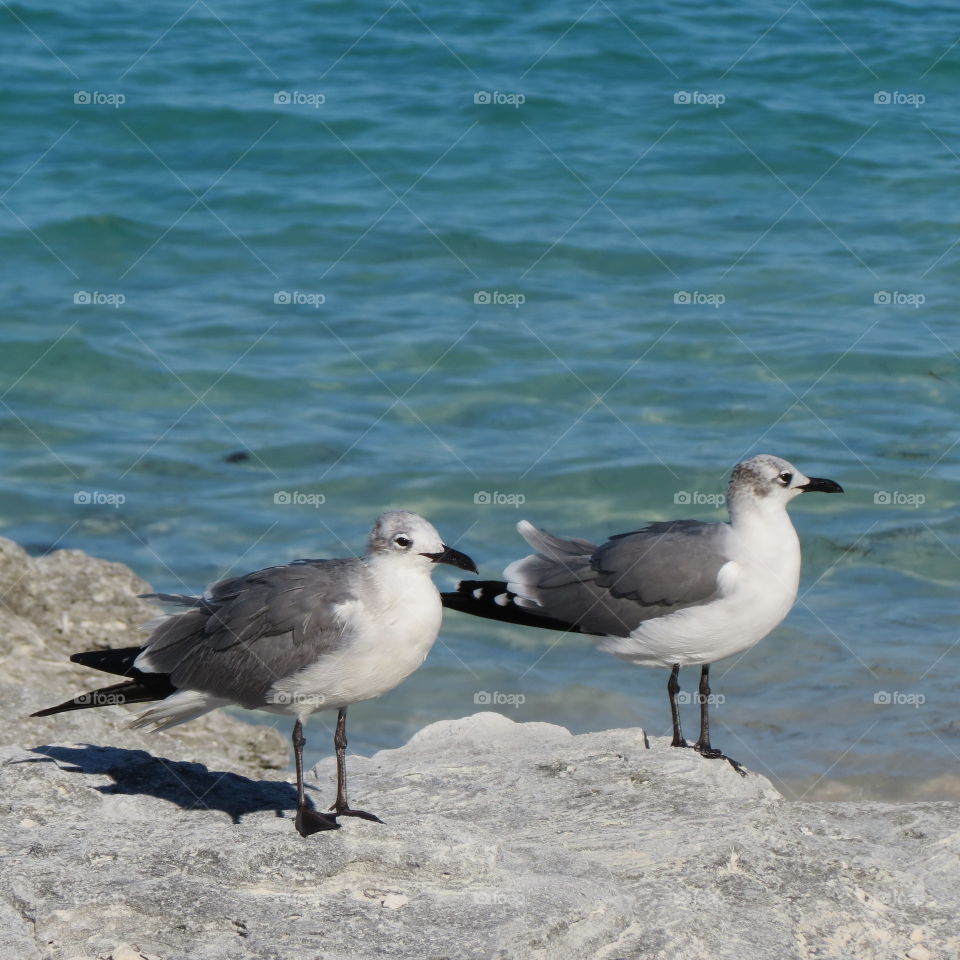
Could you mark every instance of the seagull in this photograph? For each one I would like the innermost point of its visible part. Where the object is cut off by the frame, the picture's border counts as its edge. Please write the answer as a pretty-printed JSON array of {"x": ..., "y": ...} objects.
[
  {"x": 672, "y": 594},
  {"x": 291, "y": 639}
]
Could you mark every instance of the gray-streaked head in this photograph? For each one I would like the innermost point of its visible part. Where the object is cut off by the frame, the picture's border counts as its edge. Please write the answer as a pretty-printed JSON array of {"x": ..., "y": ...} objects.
[
  {"x": 768, "y": 481},
  {"x": 403, "y": 534}
]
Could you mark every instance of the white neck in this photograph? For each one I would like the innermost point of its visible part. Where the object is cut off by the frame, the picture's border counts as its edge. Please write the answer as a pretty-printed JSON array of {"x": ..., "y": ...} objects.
[{"x": 765, "y": 540}]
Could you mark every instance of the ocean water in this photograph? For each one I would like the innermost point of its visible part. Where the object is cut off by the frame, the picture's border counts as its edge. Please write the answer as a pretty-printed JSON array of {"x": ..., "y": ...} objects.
[{"x": 503, "y": 261}]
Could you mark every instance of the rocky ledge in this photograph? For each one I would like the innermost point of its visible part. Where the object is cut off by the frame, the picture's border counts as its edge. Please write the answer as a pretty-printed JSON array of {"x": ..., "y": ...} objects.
[{"x": 501, "y": 841}]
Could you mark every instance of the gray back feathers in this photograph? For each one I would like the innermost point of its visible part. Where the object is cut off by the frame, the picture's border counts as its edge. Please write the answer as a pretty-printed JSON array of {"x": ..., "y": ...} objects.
[
  {"x": 248, "y": 632},
  {"x": 633, "y": 577}
]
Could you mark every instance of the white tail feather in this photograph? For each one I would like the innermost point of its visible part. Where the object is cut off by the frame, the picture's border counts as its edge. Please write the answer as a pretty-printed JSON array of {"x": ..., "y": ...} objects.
[
  {"x": 554, "y": 548},
  {"x": 178, "y": 708}
]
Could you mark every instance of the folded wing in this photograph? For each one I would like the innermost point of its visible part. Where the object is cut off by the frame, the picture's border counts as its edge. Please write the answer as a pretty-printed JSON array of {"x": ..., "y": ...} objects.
[
  {"x": 633, "y": 577},
  {"x": 248, "y": 632}
]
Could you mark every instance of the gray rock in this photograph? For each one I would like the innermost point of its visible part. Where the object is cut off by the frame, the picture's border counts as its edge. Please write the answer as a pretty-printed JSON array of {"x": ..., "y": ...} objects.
[
  {"x": 68, "y": 601},
  {"x": 502, "y": 841}
]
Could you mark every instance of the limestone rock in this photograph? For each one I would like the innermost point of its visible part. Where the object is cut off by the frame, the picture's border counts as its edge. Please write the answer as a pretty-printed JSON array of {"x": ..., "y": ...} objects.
[
  {"x": 491, "y": 847},
  {"x": 501, "y": 841},
  {"x": 66, "y": 602}
]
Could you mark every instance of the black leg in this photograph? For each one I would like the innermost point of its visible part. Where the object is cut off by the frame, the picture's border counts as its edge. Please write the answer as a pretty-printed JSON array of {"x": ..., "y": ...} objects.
[
  {"x": 308, "y": 820},
  {"x": 703, "y": 742},
  {"x": 702, "y": 746},
  {"x": 340, "y": 743},
  {"x": 673, "y": 688}
]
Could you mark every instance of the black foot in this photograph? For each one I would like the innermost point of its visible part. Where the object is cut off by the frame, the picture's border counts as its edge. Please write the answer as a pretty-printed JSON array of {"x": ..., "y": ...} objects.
[
  {"x": 310, "y": 821},
  {"x": 680, "y": 743},
  {"x": 350, "y": 812},
  {"x": 713, "y": 754}
]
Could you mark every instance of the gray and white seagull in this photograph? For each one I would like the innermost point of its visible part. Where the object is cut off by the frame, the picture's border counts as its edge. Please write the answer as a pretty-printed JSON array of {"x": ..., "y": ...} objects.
[
  {"x": 292, "y": 639},
  {"x": 673, "y": 594}
]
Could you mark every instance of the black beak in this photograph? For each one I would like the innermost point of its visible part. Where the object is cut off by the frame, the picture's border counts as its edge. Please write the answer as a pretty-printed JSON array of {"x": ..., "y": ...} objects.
[
  {"x": 820, "y": 485},
  {"x": 454, "y": 557}
]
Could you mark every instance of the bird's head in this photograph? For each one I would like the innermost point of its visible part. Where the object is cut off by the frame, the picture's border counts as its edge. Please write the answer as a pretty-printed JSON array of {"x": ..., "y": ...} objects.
[
  {"x": 765, "y": 481},
  {"x": 408, "y": 538}
]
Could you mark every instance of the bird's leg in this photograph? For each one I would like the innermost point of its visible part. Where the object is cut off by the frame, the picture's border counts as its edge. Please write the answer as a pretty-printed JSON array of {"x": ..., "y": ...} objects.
[
  {"x": 308, "y": 820},
  {"x": 340, "y": 743},
  {"x": 703, "y": 741},
  {"x": 673, "y": 688},
  {"x": 702, "y": 746}
]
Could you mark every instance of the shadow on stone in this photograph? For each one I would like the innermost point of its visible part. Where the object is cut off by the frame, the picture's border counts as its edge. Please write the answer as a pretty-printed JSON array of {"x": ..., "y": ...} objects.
[{"x": 190, "y": 786}]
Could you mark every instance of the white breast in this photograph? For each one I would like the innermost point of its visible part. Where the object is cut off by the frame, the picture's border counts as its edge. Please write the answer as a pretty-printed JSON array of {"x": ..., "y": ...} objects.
[
  {"x": 386, "y": 638},
  {"x": 758, "y": 586}
]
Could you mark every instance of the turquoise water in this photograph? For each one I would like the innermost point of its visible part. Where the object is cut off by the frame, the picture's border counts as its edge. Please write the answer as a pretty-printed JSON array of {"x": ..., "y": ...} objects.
[{"x": 588, "y": 256}]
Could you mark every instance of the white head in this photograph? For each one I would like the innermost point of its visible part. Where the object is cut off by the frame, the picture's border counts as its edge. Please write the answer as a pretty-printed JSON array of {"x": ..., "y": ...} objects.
[
  {"x": 765, "y": 482},
  {"x": 406, "y": 537}
]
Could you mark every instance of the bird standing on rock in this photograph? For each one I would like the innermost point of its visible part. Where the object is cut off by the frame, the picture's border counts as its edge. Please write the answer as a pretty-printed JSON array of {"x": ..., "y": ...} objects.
[
  {"x": 292, "y": 639},
  {"x": 673, "y": 594}
]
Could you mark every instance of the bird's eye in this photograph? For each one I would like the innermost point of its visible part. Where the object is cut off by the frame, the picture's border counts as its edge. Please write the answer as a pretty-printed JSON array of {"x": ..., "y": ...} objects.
[
  {"x": 785, "y": 478},
  {"x": 402, "y": 541}
]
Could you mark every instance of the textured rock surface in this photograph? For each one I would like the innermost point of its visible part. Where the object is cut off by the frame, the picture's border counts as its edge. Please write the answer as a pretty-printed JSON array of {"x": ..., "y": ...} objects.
[
  {"x": 68, "y": 601},
  {"x": 501, "y": 840}
]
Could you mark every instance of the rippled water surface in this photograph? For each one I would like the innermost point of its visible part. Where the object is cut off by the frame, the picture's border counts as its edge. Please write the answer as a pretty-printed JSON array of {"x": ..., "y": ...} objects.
[{"x": 580, "y": 258}]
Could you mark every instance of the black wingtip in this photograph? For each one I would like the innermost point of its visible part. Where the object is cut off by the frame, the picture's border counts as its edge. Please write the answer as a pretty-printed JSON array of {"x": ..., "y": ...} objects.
[
  {"x": 492, "y": 600},
  {"x": 118, "y": 660}
]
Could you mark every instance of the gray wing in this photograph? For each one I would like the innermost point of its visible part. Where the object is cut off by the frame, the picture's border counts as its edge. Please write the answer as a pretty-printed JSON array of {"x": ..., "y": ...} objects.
[
  {"x": 248, "y": 632},
  {"x": 631, "y": 578}
]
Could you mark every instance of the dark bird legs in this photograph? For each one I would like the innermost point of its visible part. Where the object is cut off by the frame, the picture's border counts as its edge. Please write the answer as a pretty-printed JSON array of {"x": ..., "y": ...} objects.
[
  {"x": 311, "y": 821},
  {"x": 341, "y": 806},
  {"x": 702, "y": 746},
  {"x": 308, "y": 820},
  {"x": 673, "y": 688}
]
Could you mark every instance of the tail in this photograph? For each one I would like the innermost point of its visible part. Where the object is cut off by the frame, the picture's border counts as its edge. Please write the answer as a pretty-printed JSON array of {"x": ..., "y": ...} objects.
[
  {"x": 138, "y": 688},
  {"x": 561, "y": 549},
  {"x": 492, "y": 599}
]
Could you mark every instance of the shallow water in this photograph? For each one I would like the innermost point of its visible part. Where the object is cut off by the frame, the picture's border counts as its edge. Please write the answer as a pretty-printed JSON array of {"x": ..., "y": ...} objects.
[{"x": 596, "y": 300}]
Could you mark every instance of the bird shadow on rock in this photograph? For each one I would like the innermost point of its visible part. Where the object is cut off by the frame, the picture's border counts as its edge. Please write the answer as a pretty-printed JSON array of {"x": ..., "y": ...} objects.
[{"x": 190, "y": 786}]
